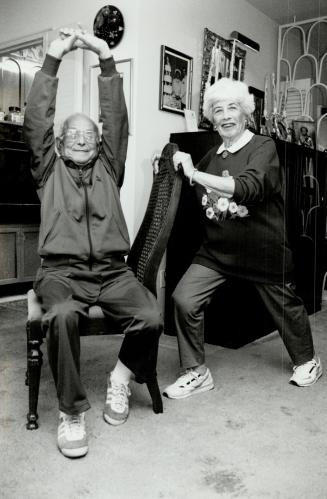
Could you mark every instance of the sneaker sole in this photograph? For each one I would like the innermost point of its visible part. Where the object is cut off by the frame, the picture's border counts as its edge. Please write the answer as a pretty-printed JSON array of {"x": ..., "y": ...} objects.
[
  {"x": 201, "y": 389},
  {"x": 114, "y": 422},
  {"x": 310, "y": 383},
  {"x": 80, "y": 452}
]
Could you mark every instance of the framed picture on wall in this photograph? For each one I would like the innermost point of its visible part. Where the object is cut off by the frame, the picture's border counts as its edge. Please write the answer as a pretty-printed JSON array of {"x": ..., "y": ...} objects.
[
  {"x": 321, "y": 131},
  {"x": 176, "y": 71},
  {"x": 305, "y": 133},
  {"x": 259, "y": 97},
  {"x": 221, "y": 58}
]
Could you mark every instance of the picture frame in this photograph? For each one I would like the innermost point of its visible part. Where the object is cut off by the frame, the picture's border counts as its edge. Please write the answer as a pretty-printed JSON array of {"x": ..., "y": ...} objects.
[
  {"x": 220, "y": 58},
  {"x": 256, "y": 119},
  {"x": 125, "y": 69},
  {"x": 305, "y": 133},
  {"x": 176, "y": 73},
  {"x": 321, "y": 132}
]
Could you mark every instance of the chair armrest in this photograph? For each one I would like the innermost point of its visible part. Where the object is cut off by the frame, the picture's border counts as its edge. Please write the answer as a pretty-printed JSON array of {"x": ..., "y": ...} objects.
[{"x": 34, "y": 311}]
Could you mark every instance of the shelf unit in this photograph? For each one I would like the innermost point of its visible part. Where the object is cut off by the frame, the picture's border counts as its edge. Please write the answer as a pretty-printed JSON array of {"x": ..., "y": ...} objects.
[{"x": 19, "y": 209}]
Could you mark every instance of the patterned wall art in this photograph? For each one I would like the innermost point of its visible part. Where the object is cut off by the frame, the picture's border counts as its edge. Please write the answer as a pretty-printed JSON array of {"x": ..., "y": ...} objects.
[{"x": 221, "y": 58}]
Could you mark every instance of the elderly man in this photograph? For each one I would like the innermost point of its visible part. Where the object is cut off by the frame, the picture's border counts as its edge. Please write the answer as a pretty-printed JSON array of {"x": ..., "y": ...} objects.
[{"x": 84, "y": 239}]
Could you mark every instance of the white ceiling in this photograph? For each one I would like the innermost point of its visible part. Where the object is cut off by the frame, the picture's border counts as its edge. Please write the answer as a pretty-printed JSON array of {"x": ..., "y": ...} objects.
[{"x": 284, "y": 11}]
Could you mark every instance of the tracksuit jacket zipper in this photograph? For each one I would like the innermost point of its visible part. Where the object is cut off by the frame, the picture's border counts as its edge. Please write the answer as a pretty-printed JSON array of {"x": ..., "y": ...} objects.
[{"x": 87, "y": 215}]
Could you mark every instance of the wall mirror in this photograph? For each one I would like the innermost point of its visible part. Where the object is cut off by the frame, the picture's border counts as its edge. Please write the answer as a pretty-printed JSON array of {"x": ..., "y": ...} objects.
[{"x": 19, "y": 62}]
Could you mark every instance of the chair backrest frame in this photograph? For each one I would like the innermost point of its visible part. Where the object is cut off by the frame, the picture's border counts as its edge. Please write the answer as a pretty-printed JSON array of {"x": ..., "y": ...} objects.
[{"x": 151, "y": 240}]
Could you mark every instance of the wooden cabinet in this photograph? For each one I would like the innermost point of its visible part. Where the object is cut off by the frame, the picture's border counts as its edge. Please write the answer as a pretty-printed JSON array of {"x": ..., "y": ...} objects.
[
  {"x": 305, "y": 192},
  {"x": 19, "y": 259},
  {"x": 236, "y": 315},
  {"x": 19, "y": 203},
  {"x": 19, "y": 209}
]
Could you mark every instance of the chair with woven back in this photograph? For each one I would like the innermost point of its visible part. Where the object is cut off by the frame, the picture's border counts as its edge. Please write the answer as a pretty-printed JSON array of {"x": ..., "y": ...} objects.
[{"x": 144, "y": 259}]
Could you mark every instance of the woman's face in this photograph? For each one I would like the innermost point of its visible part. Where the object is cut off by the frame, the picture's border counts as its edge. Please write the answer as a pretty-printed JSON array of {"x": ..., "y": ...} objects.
[{"x": 229, "y": 119}]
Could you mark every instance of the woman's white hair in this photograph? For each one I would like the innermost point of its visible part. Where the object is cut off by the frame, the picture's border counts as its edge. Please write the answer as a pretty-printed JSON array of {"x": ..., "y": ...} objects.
[{"x": 224, "y": 89}]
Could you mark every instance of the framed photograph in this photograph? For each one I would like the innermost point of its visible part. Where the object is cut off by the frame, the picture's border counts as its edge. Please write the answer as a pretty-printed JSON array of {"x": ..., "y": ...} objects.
[
  {"x": 321, "y": 132},
  {"x": 259, "y": 97},
  {"x": 176, "y": 71},
  {"x": 221, "y": 58},
  {"x": 125, "y": 70},
  {"x": 305, "y": 133}
]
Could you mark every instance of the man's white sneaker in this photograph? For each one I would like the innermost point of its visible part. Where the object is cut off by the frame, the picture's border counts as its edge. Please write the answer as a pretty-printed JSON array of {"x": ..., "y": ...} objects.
[
  {"x": 307, "y": 374},
  {"x": 116, "y": 408},
  {"x": 72, "y": 438},
  {"x": 190, "y": 383}
]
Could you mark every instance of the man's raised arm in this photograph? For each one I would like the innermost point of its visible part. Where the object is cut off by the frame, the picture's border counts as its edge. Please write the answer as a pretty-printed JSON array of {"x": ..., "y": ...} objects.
[
  {"x": 40, "y": 109},
  {"x": 113, "y": 108}
]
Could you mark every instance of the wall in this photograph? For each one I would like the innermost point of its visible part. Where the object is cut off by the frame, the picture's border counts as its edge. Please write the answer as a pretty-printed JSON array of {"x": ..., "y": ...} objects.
[{"x": 179, "y": 24}]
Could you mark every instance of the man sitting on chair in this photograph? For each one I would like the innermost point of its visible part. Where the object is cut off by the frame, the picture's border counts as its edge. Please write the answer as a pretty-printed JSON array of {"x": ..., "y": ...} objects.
[{"x": 83, "y": 240}]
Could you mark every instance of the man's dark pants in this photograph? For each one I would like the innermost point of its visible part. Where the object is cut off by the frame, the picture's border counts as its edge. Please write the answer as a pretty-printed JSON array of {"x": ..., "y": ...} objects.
[{"x": 66, "y": 291}]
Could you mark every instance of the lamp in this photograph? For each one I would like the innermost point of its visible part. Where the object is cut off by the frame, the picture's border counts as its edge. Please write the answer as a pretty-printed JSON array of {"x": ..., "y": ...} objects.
[{"x": 244, "y": 40}]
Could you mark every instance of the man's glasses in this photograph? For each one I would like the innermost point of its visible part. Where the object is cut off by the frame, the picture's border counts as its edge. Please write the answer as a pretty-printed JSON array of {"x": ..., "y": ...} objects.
[{"x": 71, "y": 134}]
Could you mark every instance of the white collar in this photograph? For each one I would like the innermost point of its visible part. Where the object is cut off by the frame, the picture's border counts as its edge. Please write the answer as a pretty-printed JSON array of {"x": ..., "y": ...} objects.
[{"x": 241, "y": 142}]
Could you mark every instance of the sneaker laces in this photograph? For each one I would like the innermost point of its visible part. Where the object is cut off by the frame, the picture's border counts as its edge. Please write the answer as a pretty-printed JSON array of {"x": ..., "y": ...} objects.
[
  {"x": 188, "y": 377},
  {"x": 73, "y": 424},
  {"x": 307, "y": 366},
  {"x": 117, "y": 396}
]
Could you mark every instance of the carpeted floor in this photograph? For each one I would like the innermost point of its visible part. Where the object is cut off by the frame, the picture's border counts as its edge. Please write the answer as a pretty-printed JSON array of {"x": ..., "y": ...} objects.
[{"x": 253, "y": 436}]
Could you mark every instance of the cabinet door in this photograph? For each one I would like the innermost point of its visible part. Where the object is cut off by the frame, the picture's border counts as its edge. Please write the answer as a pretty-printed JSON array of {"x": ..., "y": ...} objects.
[
  {"x": 305, "y": 181},
  {"x": 9, "y": 254},
  {"x": 30, "y": 260},
  {"x": 19, "y": 259}
]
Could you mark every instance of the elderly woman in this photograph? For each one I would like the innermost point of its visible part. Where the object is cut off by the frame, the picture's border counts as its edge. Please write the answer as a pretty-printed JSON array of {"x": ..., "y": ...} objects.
[{"x": 239, "y": 190}]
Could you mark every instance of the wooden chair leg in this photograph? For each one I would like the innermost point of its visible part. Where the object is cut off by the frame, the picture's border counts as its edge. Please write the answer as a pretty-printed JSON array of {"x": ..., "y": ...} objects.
[
  {"x": 34, "y": 364},
  {"x": 154, "y": 391}
]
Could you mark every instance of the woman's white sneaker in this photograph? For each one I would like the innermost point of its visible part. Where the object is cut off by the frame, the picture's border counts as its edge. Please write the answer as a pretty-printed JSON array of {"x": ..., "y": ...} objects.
[
  {"x": 307, "y": 374},
  {"x": 189, "y": 383}
]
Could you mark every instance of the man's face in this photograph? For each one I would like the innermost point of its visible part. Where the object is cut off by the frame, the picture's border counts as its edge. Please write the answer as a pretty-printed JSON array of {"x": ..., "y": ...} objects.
[{"x": 79, "y": 142}]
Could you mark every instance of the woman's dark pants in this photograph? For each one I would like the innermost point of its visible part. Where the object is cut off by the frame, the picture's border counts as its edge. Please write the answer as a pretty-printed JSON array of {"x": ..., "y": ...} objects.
[{"x": 193, "y": 294}]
